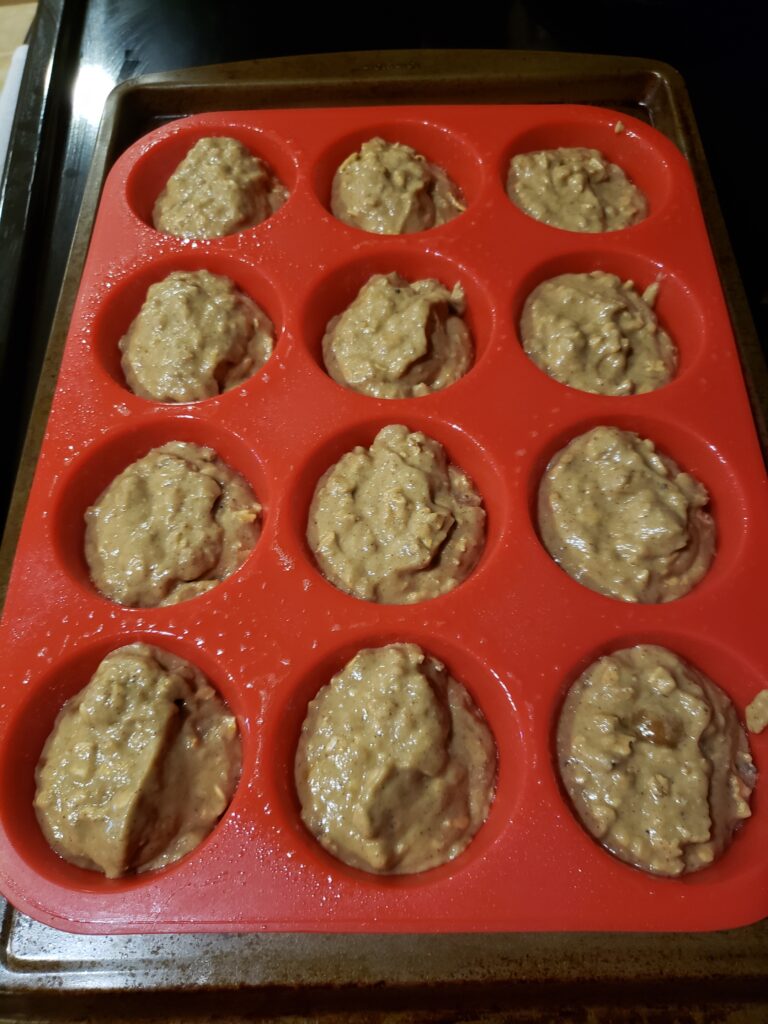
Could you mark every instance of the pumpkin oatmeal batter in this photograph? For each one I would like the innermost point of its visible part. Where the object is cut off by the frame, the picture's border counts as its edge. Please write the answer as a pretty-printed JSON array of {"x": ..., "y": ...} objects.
[
  {"x": 390, "y": 189},
  {"x": 219, "y": 188},
  {"x": 595, "y": 333},
  {"x": 576, "y": 189},
  {"x": 396, "y": 523},
  {"x": 140, "y": 764},
  {"x": 623, "y": 519},
  {"x": 655, "y": 761},
  {"x": 195, "y": 336},
  {"x": 399, "y": 340},
  {"x": 396, "y": 766},
  {"x": 170, "y": 527},
  {"x": 757, "y": 712}
]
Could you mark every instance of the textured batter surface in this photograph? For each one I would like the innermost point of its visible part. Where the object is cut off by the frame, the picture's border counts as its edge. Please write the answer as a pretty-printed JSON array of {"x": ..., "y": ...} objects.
[
  {"x": 171, "y": 526},
  {"x": 390, "y": 189},
  {"x": 219, "y": 188},
  {"x": 195, "y": 336},
  {"x": 140, "y": 764},
  {"x": 395, "y": 768},
  {"x": 576, "y": 189},
  {"x": 623, "y": 519},
  {"x": 396, "y": 523},
  {"x": 757, "y": 712},
  {"x": 655, "y": 760},
  {"x": 595, "y": 333},
  {"x": 399, "y": 340}
]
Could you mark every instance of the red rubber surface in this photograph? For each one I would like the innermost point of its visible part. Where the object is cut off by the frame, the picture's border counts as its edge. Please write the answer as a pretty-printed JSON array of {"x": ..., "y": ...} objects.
[{"x": 516, "y": 633}]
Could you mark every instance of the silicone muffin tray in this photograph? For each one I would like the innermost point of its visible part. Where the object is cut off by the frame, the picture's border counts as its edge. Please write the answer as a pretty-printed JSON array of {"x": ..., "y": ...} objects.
[{"x": 516, "y": 633}]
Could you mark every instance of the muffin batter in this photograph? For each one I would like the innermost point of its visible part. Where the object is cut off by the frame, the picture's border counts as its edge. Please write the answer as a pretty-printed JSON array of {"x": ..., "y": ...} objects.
[
  {"x": 623, "y": 519},
  {"x": 169, "y": 527},
  {"x": 390, "y": 189},
  {"x": 596, "y": 334},
  {"x": 399, "y": 340},
  {"x": 196, "y": 335},
  {"x": 395, "y": 768},
  {"x": 219, "y": 188},
  {"x": 655, "y": 760},
  {"x": 140, "y": 764},
  {"x": 757, "y": 712},
  {"x": 396, "y": 523},
  {"x": 576, "y": 189}
]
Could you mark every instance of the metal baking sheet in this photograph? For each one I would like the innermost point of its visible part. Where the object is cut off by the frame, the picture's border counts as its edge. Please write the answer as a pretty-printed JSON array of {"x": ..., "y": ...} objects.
[{"x": 51, "y": 975}]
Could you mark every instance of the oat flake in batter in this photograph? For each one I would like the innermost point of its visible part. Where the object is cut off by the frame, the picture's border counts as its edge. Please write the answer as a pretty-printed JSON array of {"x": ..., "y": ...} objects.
[{"x": 655, "y": 760}]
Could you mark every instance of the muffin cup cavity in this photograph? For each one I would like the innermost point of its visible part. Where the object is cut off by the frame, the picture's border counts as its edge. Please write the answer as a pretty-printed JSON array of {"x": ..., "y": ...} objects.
[
  {"x": 694, "y": 455},
  {"x": 678, "y": 311},
  {"x": 643, "y": 155},
  {"x": 158, "y": 160},
  {"x": 450, "y": 150},
  {"x": 81, "y": 484},
  {"x": 462, "y": 449},
  {"x": 334, "y": 292},
  {"x": 122, "y": 304},
  {"x": 496, "y": 698},
  {"x": 739, "y": 680},
  {"x": 33, "y": 723}
]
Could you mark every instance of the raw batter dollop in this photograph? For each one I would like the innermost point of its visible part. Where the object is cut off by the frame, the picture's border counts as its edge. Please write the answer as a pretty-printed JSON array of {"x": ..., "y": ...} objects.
[
  {"x": 576, "y": 189},
  {"x": 171, "y": 526},
  {"x": 390, "y": 189},
  {"x": 655, "y": 760},
  {"x": 623, "y": 519},
  {"x": 595, "y": 333},
  {"x": 396, "y": 523},
  {"x": 757, "y": 712},
  {"x": 396, "y": 766},
  {"x": 140, "y": 764},
  {"x": 219, "y": 188},
  {"x": 195, "y": 336},
  {"x": 399, "y": 340}
]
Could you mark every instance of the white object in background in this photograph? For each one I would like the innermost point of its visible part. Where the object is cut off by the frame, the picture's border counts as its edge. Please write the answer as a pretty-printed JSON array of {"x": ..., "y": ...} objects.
[{"x": 8, "y": 99}]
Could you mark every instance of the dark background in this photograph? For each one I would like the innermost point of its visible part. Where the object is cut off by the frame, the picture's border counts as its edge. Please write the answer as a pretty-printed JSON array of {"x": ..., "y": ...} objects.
[{"x": 719, "y": 49}]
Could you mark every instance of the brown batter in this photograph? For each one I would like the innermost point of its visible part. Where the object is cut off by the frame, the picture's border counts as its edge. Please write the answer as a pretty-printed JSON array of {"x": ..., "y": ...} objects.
[
  {"x": 390, "y": 189},
  {"x": 576, "y": 189},
  {"x": 596, "y": 334},
  {"x": 171, "y": 526},
  {"x": 623, "y": 519},
  {"x": 655, "y": 760},
  {"x": 196, "y": 335},
  {"x": 399, "y": 340},
  {"x": 396, "y": 523},
  {"x": 757, "y": 712},
  {"x": 140, "y": 764},
  {"x": 395, "y": 768},
  {"x": 219, "y": 188}
]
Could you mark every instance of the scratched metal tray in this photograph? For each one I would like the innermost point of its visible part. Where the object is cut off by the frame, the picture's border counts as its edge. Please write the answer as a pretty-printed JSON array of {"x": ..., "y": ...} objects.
[{"x": 50, "y": 975}]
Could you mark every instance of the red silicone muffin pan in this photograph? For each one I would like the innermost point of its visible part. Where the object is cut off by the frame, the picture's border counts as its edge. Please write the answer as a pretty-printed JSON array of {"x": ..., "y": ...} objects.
[{"x": 516, "y": 633}]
